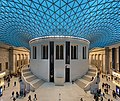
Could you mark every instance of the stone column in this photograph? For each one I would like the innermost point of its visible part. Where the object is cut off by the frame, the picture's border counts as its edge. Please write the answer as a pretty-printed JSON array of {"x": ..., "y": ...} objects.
[
  {"x": 19, "y": 60},
  {"x": 107, "y": 59},
  {"x": 26, "y": 59},
  {"x": 10, "y": 60},
  {"x": 102, "y": 63},
  {"x": 15, "y": 63},
  {"x": 98, "y": 64}
]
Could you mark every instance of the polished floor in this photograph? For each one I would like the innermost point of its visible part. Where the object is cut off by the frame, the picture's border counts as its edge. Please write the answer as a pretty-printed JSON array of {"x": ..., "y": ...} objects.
[{"x": 50, "y": 92}]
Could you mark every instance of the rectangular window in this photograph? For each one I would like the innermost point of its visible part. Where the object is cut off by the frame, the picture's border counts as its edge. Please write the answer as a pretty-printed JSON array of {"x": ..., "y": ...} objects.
[
  {"x": 44, "y": 51},
  {"x": 74, "y": 51},
  {"x": 6, "y": 65},
  {"x": 0, "y": 66},
  {"x": 84, "y": 52},
  {"x": 59, "y": 51},
  {"x": 34, "y": 52}
]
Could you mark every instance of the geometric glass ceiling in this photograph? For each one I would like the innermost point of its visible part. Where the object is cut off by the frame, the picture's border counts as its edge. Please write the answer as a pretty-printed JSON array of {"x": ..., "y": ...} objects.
[{"x": 95, "y": 20}]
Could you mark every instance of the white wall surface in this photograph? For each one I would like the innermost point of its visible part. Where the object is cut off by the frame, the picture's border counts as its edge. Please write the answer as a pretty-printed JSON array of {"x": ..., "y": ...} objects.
[{"x": 40, "y": 69}]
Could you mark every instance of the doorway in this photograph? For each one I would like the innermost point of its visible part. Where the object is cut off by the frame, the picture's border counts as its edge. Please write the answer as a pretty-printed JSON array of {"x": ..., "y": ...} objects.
[{"x": 67, "y": 74}]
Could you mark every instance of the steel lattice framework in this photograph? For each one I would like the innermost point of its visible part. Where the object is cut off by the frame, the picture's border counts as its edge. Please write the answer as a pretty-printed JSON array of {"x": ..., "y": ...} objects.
[{"x": 95, "y": 20}]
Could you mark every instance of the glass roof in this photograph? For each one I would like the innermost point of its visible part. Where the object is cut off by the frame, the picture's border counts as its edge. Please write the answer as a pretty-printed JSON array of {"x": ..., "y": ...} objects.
[{"x": 95, "y": 20}]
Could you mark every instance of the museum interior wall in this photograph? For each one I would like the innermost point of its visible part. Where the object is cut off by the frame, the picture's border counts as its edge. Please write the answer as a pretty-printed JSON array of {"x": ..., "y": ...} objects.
[
  {"x": 12, "y": 59},
  {"x": 106, "y": 59}
]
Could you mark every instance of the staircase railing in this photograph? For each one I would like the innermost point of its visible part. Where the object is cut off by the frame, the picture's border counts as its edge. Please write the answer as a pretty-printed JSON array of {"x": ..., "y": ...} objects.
[
  {"x": 26, "y": 82},
  {"x": 95, "y": 81}
]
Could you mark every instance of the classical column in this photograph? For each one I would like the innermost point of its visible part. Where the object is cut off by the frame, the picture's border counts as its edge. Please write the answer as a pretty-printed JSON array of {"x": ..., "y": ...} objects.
[
  {"x": 114, "y": 58},
  {"x": 107, "y": 60},
  {"x": 15, "y": 63},
  {"x": 10, "y": 59},
  {"x": 19, "y": 61},
  {"x": 27, "y": 59},
  {"x": 102, "y": 63},
  {"x": 98, "y": 61}
]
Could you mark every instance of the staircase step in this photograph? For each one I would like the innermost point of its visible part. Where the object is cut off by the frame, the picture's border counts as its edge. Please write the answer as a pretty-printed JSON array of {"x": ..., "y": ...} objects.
[
  {"x": 91, "y": 73},
  {"x": 27, "y": 74},
  {"x": 92, "y": 69},
  {"x": 34, "y": 81},
  {"x": 38, "y": 84},
  {"x": 84, "y": 81},
  {"x": 80, "y": 84},
  {"x": 31, "y": 78},
  {"x": 88, "y": 78},
  {"x": 26, "y": 69}
]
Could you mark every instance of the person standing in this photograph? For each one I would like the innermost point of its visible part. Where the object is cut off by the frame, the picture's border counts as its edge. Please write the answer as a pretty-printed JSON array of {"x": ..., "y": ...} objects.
[
  {"x": 14, "y": 83},
  {"x": 4, "y": 87},
  {"x": 17, "y": 95},
  {"x": 81, "y": 99},
  {"x": 108, "y": 99},
  {"x": 12, "y": 95},
  {"x": 8, "y": 84}
]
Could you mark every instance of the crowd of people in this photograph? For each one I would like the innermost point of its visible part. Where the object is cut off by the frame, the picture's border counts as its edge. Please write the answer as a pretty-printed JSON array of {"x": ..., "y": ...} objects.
[
  {"x": 16, "y": 94},
  {"x": 99, "y": 96},
  {"x": 104, "y": 90}
]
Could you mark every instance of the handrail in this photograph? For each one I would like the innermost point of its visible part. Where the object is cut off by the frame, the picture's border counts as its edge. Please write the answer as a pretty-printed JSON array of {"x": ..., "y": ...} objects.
[
  {"x": 33, "y": 88},
  {"x": 88, "y": 86},
  {"x": 26, "y": 80}
]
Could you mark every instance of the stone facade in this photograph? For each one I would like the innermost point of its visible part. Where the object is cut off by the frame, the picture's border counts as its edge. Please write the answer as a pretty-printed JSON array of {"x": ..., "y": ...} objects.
[
  {"x": 12, "y": 59},
  {"x": 106, "y": 59}
]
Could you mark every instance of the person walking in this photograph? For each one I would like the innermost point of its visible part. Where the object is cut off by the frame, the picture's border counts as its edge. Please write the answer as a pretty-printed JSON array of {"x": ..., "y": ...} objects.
[
  {"x": 35, "y": 97},
  {"x": 12, "y": 95},
  {"x": 17, "y": 95},
  {"x": 101, "y": 98},
  {"x": 14, "y": 98},
  {"x": 29, "y": 98}
]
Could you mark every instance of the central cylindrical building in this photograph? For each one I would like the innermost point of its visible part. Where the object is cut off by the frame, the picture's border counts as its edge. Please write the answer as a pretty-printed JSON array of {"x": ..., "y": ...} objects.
[{"x": 54, "y": 57}]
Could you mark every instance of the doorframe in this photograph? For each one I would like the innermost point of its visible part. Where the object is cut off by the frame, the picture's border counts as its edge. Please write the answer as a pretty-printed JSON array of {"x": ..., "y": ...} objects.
[{"x": 66, "y": 67}]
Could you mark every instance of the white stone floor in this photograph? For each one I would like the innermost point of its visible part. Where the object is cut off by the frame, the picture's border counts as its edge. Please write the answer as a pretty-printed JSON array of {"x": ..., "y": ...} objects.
[{"x": 50, "y": 92}]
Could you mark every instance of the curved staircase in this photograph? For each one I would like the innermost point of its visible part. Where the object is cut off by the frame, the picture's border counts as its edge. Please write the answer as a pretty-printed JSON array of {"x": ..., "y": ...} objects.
[
  {"x": 30, "y": 79},
  {"x": 86, "y": 82}
]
